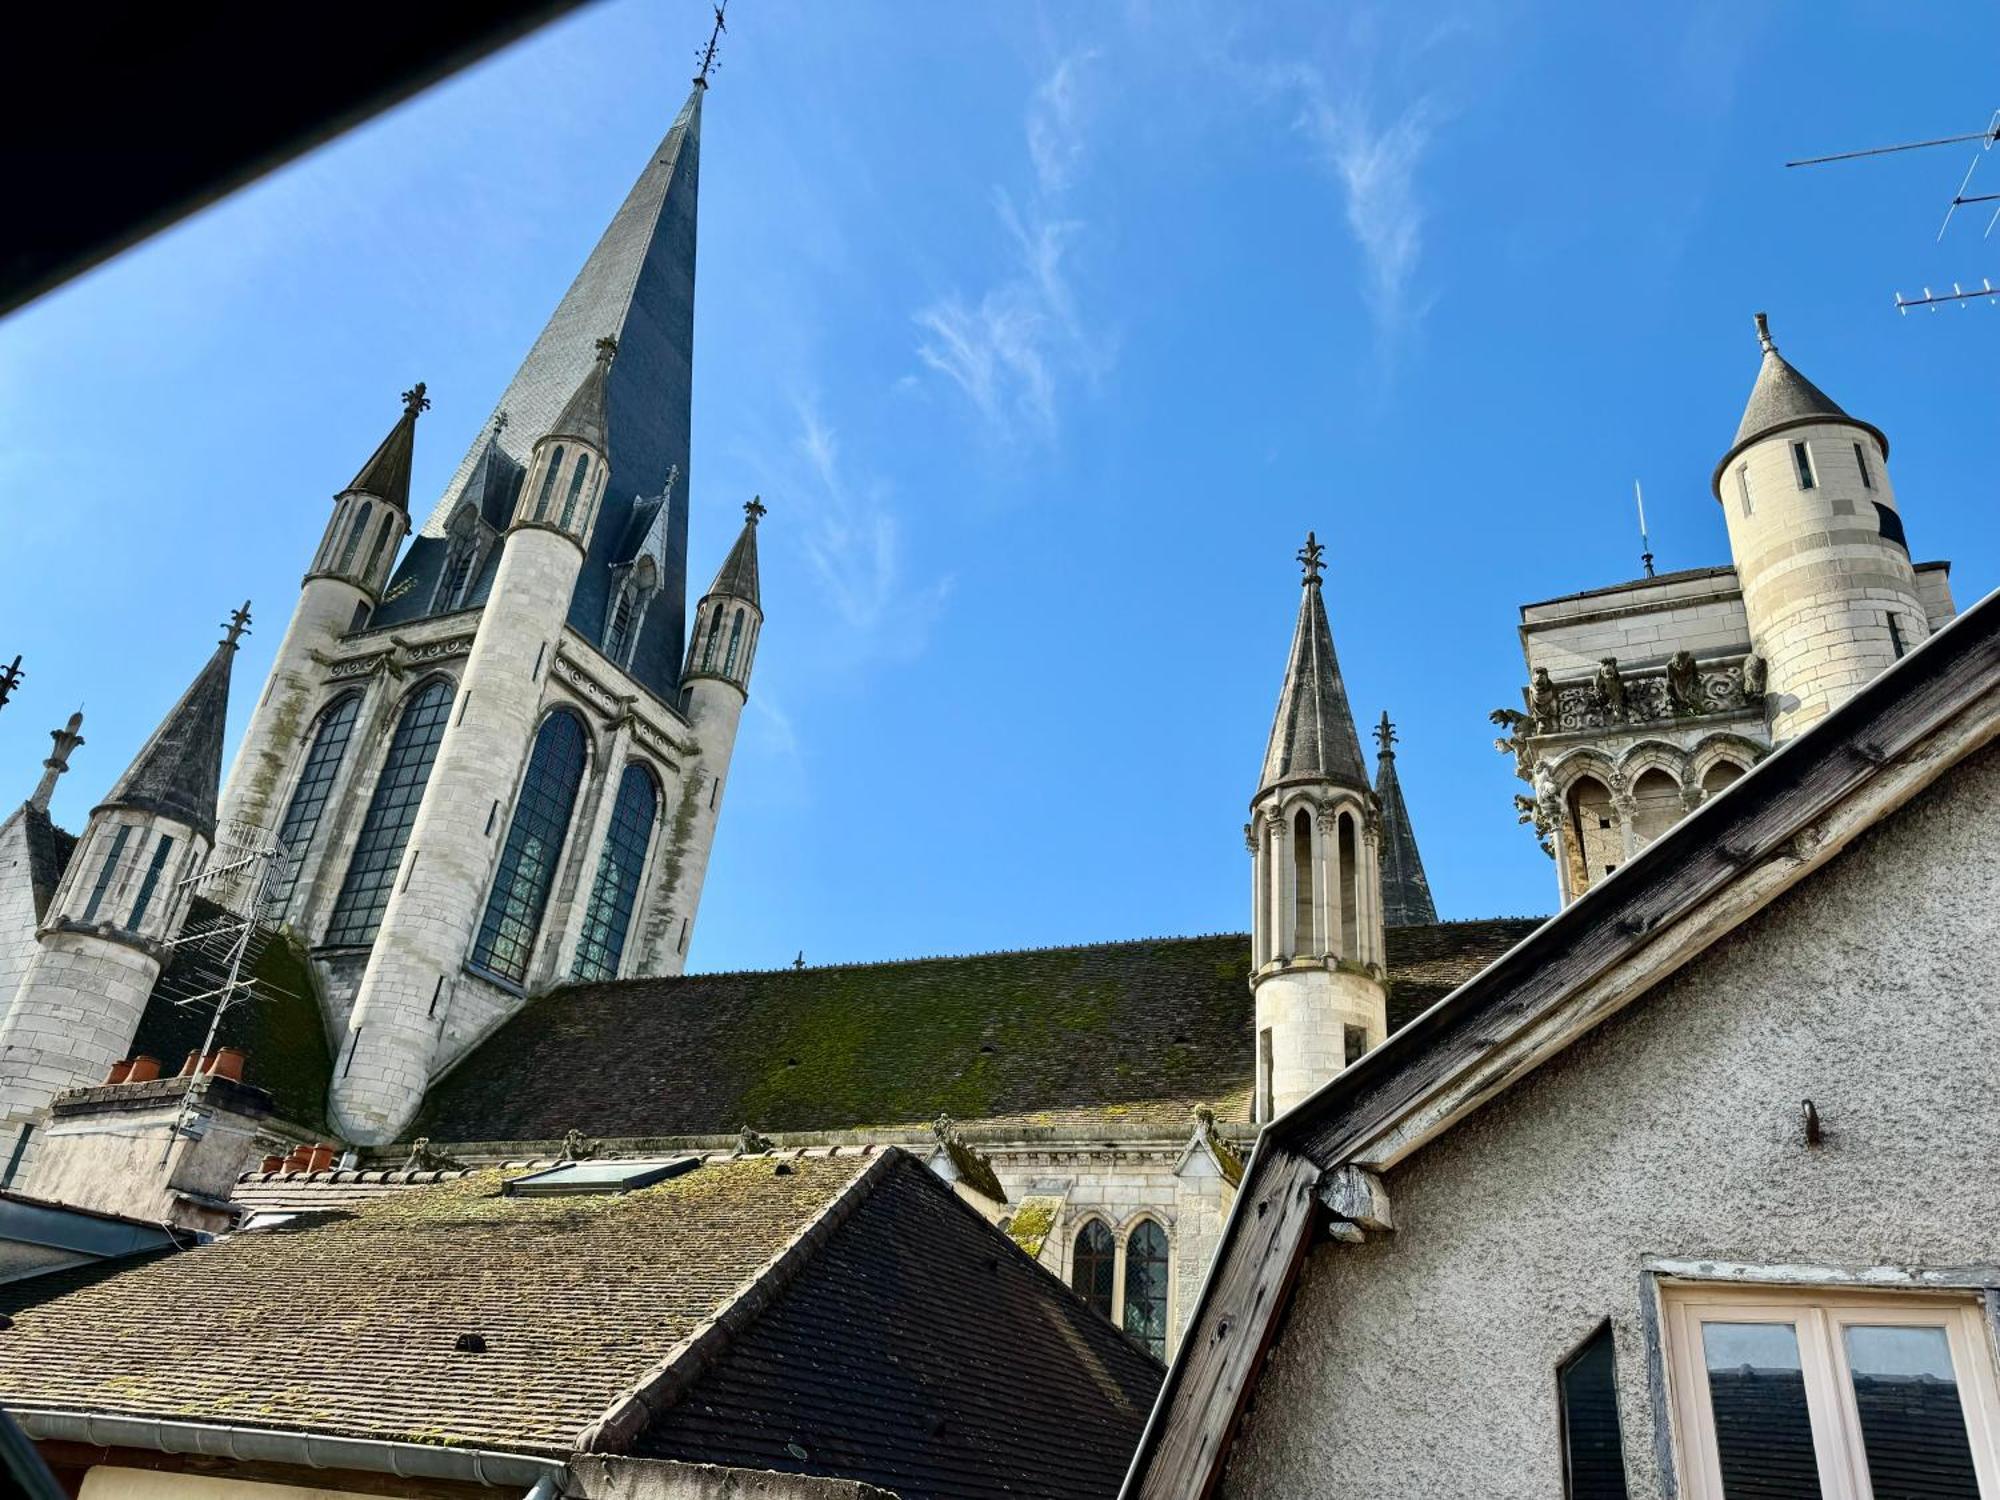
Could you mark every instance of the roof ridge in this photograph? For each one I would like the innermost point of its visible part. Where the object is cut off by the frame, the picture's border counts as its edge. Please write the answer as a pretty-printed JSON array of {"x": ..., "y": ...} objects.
[
  {"x": 663, "y": 1386},
  {"x": 920, "y": 958}
]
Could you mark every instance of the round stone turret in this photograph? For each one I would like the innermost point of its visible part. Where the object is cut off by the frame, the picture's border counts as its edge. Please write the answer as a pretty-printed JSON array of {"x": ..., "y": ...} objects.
[{"x": 1818, "y": 542}]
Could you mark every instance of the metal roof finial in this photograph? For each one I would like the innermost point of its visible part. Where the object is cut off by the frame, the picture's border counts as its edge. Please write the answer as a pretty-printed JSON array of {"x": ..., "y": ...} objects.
[
  {"x": 414, "y": 399},
  {"x": 10, "y": 678},
  {"x": 755, "y": 510},
  {"x": 708, "y": 62},
  {"x": 1385, "y": 736},
  {"x": 1770, "y": 345}
]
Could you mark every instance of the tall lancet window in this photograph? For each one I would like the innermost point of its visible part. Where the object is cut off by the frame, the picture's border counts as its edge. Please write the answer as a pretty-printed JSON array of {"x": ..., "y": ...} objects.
[
  {"x": 1146, "y": 1288},
  {"x": 735, "y": 645},
  {"x": 302, "y": 814},
  {"x": 354, "y": 537},
  {"x": 612, "y": 895},
  {"x": 575, "y": 488},
  {"x": 520, "y": 896},
  {"x": 399, "y": 792},
  {"x": 708, "y": 646},
  {"x": 381, "y": 541},
  {"x": 1302, "y": 884},
  {"x": 457, "y": 573},
  {"x": 548, "y": 484},
  {"x": 1350, "y": 890}
]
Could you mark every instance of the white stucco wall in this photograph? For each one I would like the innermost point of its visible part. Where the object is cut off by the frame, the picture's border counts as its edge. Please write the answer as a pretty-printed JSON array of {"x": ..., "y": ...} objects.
[{"x": 1423, "y": 1363}]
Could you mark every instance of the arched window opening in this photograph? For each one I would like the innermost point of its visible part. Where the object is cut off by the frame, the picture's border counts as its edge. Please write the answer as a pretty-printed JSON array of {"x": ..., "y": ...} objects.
[
  {"x": 548, "y": 484},
  {"x": 354, "y": 537},
  {"x": 520, "y": 896},
  {"x": 618, "y": 640},
  {"x": 575, "y": 488},
  {"x": 616, "y": 889},
  {"x": 1598, "y": 845},
  {"x": 399, "y": 792},
  {"x": 1656, "y": 805},
  {"x": 381, "y": 541},
  {"x": 735, "y": 643},
  {"x": 1350, "y": 890},
  {"x": 1720, "y": 777},
  {"x": 1146, "y": 1288},
  {"x": 708, "y": 646},
  {"x": 302, "y": 814},
  {"x": 1093, "y": 1263},
  {"x": 1302, "y": 885},
  {"x": 457, "y": 574}
]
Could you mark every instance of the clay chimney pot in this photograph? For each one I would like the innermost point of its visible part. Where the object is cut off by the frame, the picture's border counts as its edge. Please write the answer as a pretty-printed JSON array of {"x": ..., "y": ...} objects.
[
  {"x": 296, "y": 1162},
  {"x": 119, "y": 1072},
  {"x": 321, "y": 1159},
  {"x": 273, "y": 1164},
  {"x": 227, "y": 1062},
  {"x": 192, "y": 1066},
  {"x": 144, "y": 1069}
]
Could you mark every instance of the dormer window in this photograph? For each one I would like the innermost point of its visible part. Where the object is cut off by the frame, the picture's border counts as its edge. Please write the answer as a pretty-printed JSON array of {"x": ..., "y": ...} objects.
[{"x": 1802, "y": 462}]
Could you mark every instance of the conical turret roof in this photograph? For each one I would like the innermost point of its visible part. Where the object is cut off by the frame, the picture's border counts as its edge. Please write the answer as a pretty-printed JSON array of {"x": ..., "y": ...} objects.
[
  {"x": 582, "y": 415},
  {"x": 386, "y": 475},
  {"x": 1406, "y": 893},
  {"x": 1312, "y": 737},
  {"x": 1783, "y": 398},
  {"x": 178, "y": 772},
  {"x": 737, "y": 576}
]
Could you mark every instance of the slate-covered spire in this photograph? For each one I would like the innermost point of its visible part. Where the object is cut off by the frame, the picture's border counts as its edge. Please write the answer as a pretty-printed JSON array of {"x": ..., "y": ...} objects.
[
  {"x": 386, "y": 475},
  {"x": 178, "y": 772},
  {"x": 1312, "y": 737},
  {"x": 737, "y": 577},
  {"x": 1783, "y": 398},
  {"x": 1406, "y": 894}
]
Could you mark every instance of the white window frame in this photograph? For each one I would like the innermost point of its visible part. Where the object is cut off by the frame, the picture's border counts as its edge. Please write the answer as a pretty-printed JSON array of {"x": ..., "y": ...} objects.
[{"x": 1819, "y": 1314}]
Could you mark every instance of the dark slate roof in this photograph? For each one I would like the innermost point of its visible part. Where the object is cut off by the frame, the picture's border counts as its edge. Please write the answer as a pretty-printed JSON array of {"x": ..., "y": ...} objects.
[
  {"x": 737, "y": 577},
  {"x": 386, "y": 475},
  {"x": 178, "y": 772},
  {"x": 345, "y": 1321},
  {"x": 848, "y": 1304},
  {"x": 637, "y": 286},
  {"x": 1406, "y": 894},
  {"x": 280, "y": 1032},
  {"x": 1313, "y": 735},
  {"x": 919, "y": 1351},
  {"x": 1783, "y": 398},
  {"x": 49, "y": 850},
  {"x": 1115, "y": 1034}
]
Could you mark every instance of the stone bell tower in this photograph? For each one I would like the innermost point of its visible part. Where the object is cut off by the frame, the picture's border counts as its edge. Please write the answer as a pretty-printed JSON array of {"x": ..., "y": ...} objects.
[{"x": 1315, "y": 839}]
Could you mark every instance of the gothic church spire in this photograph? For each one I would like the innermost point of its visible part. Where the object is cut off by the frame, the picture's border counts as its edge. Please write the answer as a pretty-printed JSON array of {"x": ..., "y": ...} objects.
[
  {"x": 1312, "y": 736},
  {"x": 1406, "y": 894},
  {"x": 178, "y": 772}
]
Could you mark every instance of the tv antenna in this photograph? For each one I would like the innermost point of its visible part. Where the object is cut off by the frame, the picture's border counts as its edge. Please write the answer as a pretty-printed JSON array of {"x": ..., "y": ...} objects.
[
  {"x": 1645, "y": 543},
  {"x": 1986, "y": 140}
]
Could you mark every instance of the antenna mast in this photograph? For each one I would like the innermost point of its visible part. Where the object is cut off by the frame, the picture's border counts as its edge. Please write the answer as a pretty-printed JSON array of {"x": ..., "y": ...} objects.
[{"x": 1645, "y": 544}]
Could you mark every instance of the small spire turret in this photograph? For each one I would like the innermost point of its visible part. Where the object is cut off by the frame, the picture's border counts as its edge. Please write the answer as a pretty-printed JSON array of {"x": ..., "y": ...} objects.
[{"x": 66, "y": 740}]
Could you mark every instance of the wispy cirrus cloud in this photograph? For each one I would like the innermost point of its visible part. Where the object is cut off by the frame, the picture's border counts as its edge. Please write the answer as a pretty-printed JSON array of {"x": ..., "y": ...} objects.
[
  {"x": 851, "y": 538},
  {"x": 1009, "y": 350},
  {"x": 1376, "y": 162}
]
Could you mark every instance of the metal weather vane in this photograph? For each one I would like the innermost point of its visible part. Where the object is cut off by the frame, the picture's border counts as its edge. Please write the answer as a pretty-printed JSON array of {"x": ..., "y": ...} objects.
[{"x": 708, "y": 62}]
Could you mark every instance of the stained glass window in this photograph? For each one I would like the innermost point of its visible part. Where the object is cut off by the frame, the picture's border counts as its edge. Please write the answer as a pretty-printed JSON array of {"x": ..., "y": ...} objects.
[
  {"x": 534, "y": 843},
  {"x": 616, "y": 889},
  {"x": 301, "y": 820},
  {"x": 354, "y": 537},
  {"x": 575, "y": 488},
  {"x": 1092, "y": 1266},
  {"x": 548, "y": 483},
  {"x": 399, "y": 792},
  {"x": 457, "y": 570},
  {"x": 1146, "y": 1288}
]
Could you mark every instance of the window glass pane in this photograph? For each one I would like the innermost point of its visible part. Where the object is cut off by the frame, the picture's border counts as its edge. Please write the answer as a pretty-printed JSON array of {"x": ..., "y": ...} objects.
[
  {"x": 1146, "y": 1288},
  {"x": 399, "y": 792},
  {"x": 354, "y": 537},
  {"x": 302, "y": 816},
  {"x": 575, "y": 487},
  {"x": 152, "y": 881},
  {"x": 1593, "y": 1448},
  {"x": 602, "y": 943},
  {"x": 1091, "y": 1266},
  {"x": 1803, "y": 459},
  {"x": 1763, "y": 1431},
  {"x": 548, "y": 483},
  {"x": 1911, "y": 1423},
  {"x": 534, "y": 843},
  {"x": 108, "y": 870}
]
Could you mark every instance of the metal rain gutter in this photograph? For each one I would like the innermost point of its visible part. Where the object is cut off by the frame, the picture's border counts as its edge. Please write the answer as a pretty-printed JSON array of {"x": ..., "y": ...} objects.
[{"x": 543, "y": 1477}]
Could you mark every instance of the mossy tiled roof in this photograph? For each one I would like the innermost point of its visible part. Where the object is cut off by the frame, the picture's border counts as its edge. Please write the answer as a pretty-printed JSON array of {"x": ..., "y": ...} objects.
[
  {"x": 347, "y": 1321},
  {"x": 1115, "y": 1034}
]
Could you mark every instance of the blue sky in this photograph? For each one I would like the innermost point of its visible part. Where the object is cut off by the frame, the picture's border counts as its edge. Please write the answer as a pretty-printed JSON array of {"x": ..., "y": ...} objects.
[{"x": 1046, "y": 333}]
